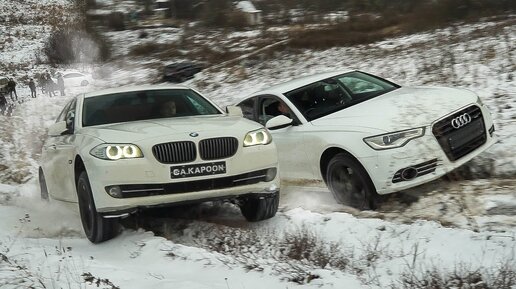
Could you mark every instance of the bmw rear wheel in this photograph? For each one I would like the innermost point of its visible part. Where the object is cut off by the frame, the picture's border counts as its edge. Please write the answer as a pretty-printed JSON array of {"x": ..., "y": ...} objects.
[
  {"x": 350, "y": 184},
  {"x": 97, "y": 228}
]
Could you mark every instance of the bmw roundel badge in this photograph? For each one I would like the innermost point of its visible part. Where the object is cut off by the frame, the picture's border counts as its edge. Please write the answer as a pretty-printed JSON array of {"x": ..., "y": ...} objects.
[{"x": 194, "y": 134}]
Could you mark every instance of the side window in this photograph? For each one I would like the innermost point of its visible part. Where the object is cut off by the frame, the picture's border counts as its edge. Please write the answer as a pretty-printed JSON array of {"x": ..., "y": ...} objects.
[
  {"x": 248, "y": 108},
  {"x": 357, "y": 85},
  {"x": 269, "y": 108}
]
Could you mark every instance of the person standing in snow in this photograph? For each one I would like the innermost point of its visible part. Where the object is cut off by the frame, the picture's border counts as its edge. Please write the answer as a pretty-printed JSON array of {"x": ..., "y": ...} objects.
[
  {"x": 49, "y": 85},
  {"x": 60, "y": 83},
  {"x": 32, "y": 87},
  {"x": 11, "y": 85}
]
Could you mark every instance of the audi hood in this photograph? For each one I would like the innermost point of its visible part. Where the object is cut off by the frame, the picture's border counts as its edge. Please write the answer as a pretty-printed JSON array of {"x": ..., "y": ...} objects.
[
  {"x": 403, "y": 108},
  {"x": 172, "y": 128}
]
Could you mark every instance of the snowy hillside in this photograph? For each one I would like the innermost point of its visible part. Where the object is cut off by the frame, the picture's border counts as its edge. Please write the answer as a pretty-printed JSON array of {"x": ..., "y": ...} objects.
[{"x": 459, "y": 233}]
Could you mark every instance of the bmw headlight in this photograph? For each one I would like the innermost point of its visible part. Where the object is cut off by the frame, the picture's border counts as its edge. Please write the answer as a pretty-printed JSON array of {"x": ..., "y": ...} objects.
[
  {"x": 116, "y": 151},
  {"x": 394, "y": 139},
  {"x": 257, "y": 137}
]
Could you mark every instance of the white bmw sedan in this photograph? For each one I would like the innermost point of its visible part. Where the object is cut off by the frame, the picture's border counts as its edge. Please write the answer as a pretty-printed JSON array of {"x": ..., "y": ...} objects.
[
  {"x": 116, "y": 151},
  {"x": 363, "y": 135}
]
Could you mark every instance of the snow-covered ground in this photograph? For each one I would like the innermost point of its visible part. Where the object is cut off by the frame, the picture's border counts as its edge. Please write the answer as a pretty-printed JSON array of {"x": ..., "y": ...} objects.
[{"x": 459, "y": 226}]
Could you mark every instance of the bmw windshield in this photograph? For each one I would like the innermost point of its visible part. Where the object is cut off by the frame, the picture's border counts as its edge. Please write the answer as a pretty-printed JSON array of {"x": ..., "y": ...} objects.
[
  {"x": 144, "y": 105},
  {"x": 333, "y": 94}
]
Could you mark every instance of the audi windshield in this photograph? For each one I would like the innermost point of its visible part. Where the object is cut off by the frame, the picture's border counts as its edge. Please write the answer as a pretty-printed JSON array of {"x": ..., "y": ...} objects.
[{"x": 333, "y": 94}]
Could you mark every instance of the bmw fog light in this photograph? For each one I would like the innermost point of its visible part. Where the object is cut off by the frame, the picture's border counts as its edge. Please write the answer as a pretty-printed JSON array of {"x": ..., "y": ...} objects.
[
  {"x": 271, "y": 174},
  {"x": 114, "y": 191}
]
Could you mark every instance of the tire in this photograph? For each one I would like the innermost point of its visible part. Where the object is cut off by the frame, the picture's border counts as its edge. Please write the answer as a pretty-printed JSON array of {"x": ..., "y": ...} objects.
[
  {"x": 43, "y": 186},
  {"x": 350, "y": 184},
  {"x": 84, "y": 83},
  {"x": 96, "y": 228},
  {"x": 260, "y": 208}
]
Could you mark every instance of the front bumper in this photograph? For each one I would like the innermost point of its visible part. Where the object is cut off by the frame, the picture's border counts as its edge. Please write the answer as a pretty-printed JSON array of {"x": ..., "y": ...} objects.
[
  {"x": 145, "y": 182},
  {"x": 425, "y": 154}
]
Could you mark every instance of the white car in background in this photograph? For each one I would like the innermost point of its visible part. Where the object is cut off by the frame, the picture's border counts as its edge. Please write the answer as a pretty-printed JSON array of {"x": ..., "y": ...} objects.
[
  {"x": 75, "y": 78},
  {"x": 363, "y": 135},
  {"x": 120, "y": 150}
]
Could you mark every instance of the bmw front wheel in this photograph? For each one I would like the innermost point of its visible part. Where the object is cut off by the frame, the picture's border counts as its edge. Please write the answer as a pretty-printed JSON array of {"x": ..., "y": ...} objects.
[
  {"x": 97, "y": 228},
  {"x": 350, "y": 184},
  {"x": 43, "y": 185},
  {"x": 257, "y": 208}
]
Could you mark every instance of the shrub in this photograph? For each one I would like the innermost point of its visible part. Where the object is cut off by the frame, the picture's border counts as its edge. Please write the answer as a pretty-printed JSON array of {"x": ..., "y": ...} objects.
[
  {"x": 116, "y": 21},
  {"x": 67, "y": 45}
]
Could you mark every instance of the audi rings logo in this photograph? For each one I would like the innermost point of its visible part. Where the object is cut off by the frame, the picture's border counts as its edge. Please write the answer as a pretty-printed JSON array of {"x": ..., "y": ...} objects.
[{"x": 461, "y": 120}]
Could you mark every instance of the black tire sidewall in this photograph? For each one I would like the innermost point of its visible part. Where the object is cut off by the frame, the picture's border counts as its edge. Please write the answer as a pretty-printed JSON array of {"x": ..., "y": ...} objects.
[
  {"x": 85, "y": 200},
  {"x": 260, "y": 208},
  {"x": 43, "y": 186},
  {"x": 369, "y": 196}
]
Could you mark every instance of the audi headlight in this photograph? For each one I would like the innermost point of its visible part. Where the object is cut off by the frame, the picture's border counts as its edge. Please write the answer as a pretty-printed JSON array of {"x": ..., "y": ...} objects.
[
  {"x": 394, "y": 139},
  {"x": 257, "y": 137},
  {"x": 479, "y": 101},
  {"x": 116, "y": 151}
]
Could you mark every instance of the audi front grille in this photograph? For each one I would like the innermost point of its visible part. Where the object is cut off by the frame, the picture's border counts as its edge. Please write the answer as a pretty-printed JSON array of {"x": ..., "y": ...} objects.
[
  {"x": 461, "y": 132},
  {"x": 218, "y": 148},
  {"x": 175, "y": 152}
]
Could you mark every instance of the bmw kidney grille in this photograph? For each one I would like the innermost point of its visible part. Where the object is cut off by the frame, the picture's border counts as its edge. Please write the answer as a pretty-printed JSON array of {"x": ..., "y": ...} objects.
[{"x": 186, "y": 151}]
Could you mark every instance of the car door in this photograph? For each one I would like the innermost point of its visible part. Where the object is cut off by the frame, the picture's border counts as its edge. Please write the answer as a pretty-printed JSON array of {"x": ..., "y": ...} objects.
[
  {"x": 292, "y": 154},
  {"x": 64, "y": 158}
]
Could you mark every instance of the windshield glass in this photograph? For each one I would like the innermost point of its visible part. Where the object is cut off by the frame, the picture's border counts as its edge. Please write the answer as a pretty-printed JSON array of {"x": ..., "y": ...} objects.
[
  {"x": 143, "y": 105},
  {"x": 327, "y": 96}
]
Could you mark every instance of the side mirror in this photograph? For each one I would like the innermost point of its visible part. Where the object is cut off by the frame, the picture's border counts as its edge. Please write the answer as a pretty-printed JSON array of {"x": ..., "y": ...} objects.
[
  {"x": 57, "y": 128},
  {"x": 234, "y": 111},
  {"x": 279, "y": 121}
]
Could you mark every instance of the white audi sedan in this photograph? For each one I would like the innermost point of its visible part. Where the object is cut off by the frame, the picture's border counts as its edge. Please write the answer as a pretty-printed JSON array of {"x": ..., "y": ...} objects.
[
  {"x": 363, "y": 135},
  {"x": 119, "y": 150}
]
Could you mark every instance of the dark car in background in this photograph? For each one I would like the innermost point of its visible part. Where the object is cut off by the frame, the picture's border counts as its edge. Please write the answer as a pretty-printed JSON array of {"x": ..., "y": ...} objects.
[{"x": 181, "y": 71}]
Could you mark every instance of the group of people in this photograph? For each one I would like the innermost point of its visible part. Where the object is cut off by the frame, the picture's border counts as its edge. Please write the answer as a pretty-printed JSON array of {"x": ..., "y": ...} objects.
[{"x": 46, "y": 83}]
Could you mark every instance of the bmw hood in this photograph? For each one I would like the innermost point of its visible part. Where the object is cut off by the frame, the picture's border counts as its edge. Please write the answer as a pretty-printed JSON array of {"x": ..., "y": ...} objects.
[
  {"x": 403, "y": 108},
  {"x": 173, "y": 129}
]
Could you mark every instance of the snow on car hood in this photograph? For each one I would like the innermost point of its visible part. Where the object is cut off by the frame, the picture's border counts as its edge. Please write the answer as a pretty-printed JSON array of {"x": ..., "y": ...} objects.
[
  {"x": 172, "y": 128},
  {"x": 403, "y": 108}
]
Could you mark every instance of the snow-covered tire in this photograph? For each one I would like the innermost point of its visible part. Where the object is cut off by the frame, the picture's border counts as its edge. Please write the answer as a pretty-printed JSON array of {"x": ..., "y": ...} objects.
[
  {"x": 96, "y": 228},
  {"x": 43, "y": 186},
  {"x": 350, "y": 184},
  {"x": 260, "y": 207}
]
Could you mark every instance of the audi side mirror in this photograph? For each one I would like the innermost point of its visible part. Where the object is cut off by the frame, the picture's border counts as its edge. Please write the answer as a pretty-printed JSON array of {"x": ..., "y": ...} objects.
[
  {"x": 234, "y": 111},
  {"x": 278, "y": 122}
]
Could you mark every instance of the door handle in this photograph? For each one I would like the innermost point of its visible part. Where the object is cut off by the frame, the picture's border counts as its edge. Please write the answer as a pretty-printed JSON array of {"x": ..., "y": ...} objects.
[{"x": 53, "y": 146}]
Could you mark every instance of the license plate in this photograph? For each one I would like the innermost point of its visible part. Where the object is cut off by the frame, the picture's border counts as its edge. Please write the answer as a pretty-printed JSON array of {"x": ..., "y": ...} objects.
[
  {"x": 466, "y": 134},
  {"x": 206, "y": 169}
]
